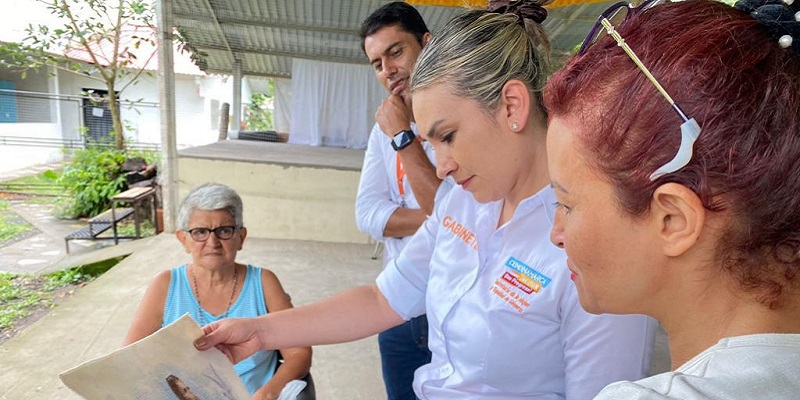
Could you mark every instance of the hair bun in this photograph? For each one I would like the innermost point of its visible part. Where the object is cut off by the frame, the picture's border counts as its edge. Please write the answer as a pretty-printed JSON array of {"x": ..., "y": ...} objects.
[
  {"x": 523, "y": 9},
  {"x": 780, "y": 17}
]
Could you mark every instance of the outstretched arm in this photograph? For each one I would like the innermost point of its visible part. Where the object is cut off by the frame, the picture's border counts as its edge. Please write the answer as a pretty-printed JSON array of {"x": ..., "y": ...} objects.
[
  {"x": 351, "y": 315},
  {"x": 296, "y": 360}
]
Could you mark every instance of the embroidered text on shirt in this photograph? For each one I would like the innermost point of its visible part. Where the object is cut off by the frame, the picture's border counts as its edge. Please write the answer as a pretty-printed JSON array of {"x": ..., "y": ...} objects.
[{"x": 461, "y": 232}]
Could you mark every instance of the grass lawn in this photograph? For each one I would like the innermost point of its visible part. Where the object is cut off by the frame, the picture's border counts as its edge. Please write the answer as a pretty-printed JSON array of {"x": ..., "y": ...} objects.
[
  {"x": 11, "y": 226},
  {"x": 43, "y": 184},
  {"x": 24, "y": 295},
  {"x": 40, "y": 189}
]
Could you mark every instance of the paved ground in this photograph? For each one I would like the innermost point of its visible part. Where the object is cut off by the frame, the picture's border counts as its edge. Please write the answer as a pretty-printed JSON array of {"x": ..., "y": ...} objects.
[{"x": 94, "y": 321}]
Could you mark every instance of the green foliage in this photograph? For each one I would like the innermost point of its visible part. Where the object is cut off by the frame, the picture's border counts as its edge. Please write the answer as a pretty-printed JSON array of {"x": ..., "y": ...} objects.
[
  {"x": 128, "y": 228},
  {"x": 90, "y": 180},
  {"x": 16, "y": 297},
  {"x": 150, "y": 156},
  {"x": 50, "y": 175},
  {"x": 259, "y": 112},
  {"x": 80, "y": 274}
]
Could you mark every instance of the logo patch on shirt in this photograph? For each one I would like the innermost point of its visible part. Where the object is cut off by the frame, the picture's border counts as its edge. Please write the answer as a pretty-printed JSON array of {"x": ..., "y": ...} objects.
[
  {"x": 517, "y": 283},
  {"x": 526, "y": 278}
]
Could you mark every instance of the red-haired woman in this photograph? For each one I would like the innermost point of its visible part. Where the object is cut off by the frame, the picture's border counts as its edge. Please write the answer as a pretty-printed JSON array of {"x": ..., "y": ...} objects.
[{"x": 677, "y": 175}]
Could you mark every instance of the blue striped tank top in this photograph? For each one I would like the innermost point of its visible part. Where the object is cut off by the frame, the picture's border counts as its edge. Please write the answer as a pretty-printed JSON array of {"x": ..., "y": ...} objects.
[{"x": 254, "y": 371}]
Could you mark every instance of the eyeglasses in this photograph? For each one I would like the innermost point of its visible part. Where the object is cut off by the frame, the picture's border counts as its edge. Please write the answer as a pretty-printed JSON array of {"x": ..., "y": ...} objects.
[
  {"x": 615, "y": 16},
  {"x": 221, "y": 232}
]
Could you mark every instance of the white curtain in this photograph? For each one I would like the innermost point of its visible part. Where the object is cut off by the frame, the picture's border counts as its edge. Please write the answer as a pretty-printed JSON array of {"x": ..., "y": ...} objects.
[{"x": 333, "y": 104}]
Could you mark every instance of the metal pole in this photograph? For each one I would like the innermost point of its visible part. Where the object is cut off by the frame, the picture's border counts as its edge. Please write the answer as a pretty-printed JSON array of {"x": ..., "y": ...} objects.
[{"x": 166, "y": 94}]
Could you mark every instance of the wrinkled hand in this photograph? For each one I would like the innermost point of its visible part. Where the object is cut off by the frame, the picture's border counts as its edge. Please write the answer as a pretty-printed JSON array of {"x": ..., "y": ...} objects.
[
  {"x": 236, "y": 338},
  {"x": 394, "y": 115}
]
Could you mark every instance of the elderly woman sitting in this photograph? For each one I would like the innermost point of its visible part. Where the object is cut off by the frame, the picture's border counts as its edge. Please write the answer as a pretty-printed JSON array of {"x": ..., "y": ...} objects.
[{"x": 214, "y": 286}]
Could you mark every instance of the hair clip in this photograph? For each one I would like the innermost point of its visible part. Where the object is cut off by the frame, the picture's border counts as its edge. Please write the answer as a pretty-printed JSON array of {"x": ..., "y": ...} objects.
[
  {"x": 690, "y": 130},
  {"x": 521, "y": 8}
]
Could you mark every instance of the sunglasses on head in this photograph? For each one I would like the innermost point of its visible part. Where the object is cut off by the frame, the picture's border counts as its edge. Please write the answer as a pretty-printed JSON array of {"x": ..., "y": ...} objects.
[{"x": 607, "y": 24}]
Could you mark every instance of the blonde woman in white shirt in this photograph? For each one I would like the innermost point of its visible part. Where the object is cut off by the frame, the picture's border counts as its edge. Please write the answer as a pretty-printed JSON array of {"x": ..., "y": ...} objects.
[{"x": 504, "y": 316}]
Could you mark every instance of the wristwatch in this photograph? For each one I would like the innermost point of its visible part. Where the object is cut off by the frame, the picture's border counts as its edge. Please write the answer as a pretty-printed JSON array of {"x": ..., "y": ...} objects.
[{"x": 402, "y": 139}]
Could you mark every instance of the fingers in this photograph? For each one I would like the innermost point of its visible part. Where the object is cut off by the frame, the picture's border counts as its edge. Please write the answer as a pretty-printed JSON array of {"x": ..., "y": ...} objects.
[
  {"x": 211, "y": 338},
  {"x": 215, "y": 337},
  {"x": 393, "y": 115}
]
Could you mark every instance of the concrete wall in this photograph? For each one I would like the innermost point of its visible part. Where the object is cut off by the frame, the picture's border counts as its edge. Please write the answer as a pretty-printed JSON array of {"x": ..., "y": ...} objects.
[{"x": 283, "y": 201}]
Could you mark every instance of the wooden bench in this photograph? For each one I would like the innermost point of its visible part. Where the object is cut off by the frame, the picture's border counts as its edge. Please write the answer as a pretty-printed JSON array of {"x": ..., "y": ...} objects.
[
  {"x": 109, "y": 218},
  {"x": 135, "y": 197},
  {"x": 99, "y": 224}
]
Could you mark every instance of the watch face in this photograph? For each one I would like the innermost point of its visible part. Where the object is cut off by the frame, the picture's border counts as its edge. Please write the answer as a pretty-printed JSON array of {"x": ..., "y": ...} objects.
[{"x": 403, "y": 139}]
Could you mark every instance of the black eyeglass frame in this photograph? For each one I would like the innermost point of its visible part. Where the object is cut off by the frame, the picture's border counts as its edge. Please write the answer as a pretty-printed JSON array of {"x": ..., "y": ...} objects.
[
  {"x": 202, "y": 234},
  {"x": 690, "y": 129}
]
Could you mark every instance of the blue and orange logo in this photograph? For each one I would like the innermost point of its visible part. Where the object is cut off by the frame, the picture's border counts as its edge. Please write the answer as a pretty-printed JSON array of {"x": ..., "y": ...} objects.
[{"x": 524, "y": 277}]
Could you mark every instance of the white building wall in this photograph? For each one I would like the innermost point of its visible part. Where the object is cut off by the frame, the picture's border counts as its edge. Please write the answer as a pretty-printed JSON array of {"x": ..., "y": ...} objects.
[{"x": 196, "y": 123}]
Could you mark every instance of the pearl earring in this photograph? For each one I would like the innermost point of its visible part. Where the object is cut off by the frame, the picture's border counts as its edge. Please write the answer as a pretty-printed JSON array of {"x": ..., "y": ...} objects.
[{"x": 514, "y": 126}]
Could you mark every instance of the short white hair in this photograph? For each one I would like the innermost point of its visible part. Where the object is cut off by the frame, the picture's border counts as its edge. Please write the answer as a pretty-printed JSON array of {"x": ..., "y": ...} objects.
[{"x": 211, "y": 197}]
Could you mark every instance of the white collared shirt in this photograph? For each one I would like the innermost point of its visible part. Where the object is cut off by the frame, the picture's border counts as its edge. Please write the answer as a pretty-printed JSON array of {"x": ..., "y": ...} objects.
[
  {"x": 503, "y": 314},
  {"x": 750, "y": 367},
  {"x": 378, "y": 193}
]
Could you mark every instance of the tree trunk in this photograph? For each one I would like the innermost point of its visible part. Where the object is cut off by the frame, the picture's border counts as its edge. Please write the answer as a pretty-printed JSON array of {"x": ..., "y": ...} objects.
[
  {"x": 119, "y": 133},
  {"x": 224, "y": 111}
]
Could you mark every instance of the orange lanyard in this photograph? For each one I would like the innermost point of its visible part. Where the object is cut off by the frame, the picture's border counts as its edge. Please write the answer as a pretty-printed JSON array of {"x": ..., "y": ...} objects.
[{"x": 401, "y": 172}]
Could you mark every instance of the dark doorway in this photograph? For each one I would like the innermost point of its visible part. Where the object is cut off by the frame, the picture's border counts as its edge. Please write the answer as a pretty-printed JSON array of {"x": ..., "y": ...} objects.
[{"x": 97, "y": 117}]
